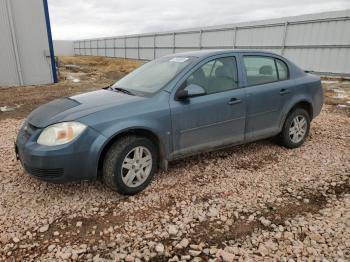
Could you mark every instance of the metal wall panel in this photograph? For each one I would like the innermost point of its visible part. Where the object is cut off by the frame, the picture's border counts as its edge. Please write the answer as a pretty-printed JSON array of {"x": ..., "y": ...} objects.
[
  {"x": 218, "y": 38},
  {"x": 180, "y": 50},
  {"x": 66, "y": 48},
  {"x": 260, "y": 36},
  {"x": 132, "y": 53},
  {"x": 146, "y": 54},
  {"x": 147, "y": 41},
  {"x": 110, "y": 52},
  {"x": 187, "y": 40},
  {"x": 110, "y": 43},
  {"x": 119, "y": 52},
  {"x": 119, "y": 42},
  {"x": 164, "y": 40},
  {"x": 9, "y": 74},
  {"x": 316, "y": 42},
  {"x": 317, "y": 59},
  {"x": 101, "y": 43},
  {"x": 24, "y": 42},
  {"x": 94, "y": 44},
  {"x": 101, "y": 51},
  {"x": 163, "y": 51},
  {"x": 323, "y": 33},
  {"x": 132, "y": 42}
]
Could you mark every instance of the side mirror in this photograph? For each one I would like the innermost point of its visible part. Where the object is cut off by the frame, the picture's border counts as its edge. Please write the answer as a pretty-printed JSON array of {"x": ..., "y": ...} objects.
[{"x": 191, "y": 90}]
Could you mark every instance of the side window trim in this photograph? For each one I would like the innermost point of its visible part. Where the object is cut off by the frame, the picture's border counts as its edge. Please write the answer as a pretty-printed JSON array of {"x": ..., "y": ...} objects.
[
  {"x": 276, "y": 67},
  {"x": 212, "y": 68}
]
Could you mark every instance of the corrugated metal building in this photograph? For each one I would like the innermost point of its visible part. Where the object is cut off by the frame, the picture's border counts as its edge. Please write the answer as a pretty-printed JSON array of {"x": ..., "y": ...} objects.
[
  {"x": 316, "y": 42},
  {"x": 26, "y": 51}
]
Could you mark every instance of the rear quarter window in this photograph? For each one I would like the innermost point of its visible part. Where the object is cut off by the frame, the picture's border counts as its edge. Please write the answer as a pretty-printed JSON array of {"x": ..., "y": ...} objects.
[{"x": 283, "y": 72}]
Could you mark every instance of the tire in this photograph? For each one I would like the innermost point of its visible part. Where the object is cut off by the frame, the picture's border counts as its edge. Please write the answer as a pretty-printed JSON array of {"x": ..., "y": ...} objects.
[
  {"x": 122, "y": 173},
  {"x": 294, "y": 138}
]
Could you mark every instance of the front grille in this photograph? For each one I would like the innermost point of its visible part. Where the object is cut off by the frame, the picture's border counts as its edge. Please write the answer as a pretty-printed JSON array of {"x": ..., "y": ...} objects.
[{"x": 42, "y": 173}]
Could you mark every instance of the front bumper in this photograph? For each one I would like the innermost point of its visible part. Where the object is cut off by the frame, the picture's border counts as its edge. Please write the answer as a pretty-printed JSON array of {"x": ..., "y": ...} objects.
[{"x": 75, "y": 161}]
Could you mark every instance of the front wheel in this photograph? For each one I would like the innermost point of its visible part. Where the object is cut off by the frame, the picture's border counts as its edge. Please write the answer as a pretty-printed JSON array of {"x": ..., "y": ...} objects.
[
  {"x": 130, "y": 164},
  {"x": 295, "y": 129}
]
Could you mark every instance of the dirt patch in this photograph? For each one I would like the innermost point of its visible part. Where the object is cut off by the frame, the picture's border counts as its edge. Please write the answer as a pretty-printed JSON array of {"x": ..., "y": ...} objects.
[
  {"x": 210, "y": 232},
  {"x": 258, "y": 163},
  {"x": 92, "y": 229},
  {"x": 77, "y": 75},
  {"x": 97, "y": 67},
  {"x": 337, "y": 94}
]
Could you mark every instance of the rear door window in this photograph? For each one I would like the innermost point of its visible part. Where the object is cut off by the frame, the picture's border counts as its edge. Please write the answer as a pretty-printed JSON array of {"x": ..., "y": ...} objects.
[{"x": 260, "y": 70}]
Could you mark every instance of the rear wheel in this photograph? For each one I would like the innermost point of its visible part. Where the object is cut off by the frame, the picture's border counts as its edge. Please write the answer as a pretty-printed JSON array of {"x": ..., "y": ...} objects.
[
  {"x": 130, "y": 164},
  {"x": 295, "y": 129}
]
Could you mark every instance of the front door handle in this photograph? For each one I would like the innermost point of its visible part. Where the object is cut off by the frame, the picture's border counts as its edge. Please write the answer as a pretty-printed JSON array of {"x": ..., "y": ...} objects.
[
  {"x": 234, "y": 101},
  {"x": 284, "y": 91}
]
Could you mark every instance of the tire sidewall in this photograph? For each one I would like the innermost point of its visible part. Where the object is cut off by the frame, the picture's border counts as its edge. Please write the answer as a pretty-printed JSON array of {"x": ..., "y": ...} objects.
[
  {"x": 285, "y": 134},
  {"x": 118, "y": 162}
]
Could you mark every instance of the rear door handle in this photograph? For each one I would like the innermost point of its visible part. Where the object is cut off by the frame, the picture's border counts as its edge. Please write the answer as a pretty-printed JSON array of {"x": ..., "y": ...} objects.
[
  {"x": 234, "y": 101},
  {"x": 284, "y": 91}
]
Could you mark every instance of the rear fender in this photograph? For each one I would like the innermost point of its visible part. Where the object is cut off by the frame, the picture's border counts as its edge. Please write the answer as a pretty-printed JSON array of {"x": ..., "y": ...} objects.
[{"x": 290, "y": 104}]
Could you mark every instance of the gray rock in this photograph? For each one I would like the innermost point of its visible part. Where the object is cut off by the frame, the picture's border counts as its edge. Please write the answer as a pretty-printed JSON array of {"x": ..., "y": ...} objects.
[
  {"x": 194, "y": 253},
  {"x": 15, "y": 239},
  {"x": 129, "y": 258},
  {"x": 213, "y": 212},
  {"x": 51, "y": 247},
  {"x": 225, "y": 256},
  {"x": 265, "y": 221},
  {"x": 159, "y": 248},
  {"x": 263, "y": 250},
  {"x": 184, "y": 243},
  {"x": 172, "y": 230},
  {"x": 44, "y": 228}
]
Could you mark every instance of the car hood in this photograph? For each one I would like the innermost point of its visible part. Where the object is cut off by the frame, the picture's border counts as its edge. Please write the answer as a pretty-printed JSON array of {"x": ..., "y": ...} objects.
[{"x": 74, "y": 107}]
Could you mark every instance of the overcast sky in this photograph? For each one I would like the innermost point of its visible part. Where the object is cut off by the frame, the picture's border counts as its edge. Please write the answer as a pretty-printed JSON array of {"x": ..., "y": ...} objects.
[{"x": 79, "y": 19}]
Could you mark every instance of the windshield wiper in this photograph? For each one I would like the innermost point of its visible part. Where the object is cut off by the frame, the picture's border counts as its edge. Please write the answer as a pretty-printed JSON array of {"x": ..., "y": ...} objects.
[{"x": 120, "y": 89}]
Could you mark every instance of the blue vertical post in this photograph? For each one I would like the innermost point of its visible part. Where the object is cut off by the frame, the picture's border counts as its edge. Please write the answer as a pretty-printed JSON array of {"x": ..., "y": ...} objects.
[{"x": 49, "y": 36}]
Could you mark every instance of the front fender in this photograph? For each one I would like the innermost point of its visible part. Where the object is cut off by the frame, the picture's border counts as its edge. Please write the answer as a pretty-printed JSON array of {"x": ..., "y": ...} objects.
[
  {"x": 121, "y": 128},
  {"x": 156, "y": 128}
]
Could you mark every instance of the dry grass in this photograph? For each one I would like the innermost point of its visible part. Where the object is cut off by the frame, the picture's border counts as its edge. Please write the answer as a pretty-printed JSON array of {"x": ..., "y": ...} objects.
[{"x": 102, "y": 64}]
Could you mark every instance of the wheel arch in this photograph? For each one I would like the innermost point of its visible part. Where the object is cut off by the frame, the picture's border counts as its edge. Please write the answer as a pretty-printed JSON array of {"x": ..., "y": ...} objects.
[
  {"x": 139, "y": 131},
  {"x": 303, "y": 103}
]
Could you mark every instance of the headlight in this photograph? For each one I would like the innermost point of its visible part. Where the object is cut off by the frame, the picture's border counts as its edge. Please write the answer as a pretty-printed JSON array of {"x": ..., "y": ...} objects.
[{"x": 61, "y": 133}]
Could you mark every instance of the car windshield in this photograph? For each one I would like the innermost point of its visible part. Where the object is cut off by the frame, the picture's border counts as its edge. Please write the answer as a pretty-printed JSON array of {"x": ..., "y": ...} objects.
[{"x": 152, "y": 76}]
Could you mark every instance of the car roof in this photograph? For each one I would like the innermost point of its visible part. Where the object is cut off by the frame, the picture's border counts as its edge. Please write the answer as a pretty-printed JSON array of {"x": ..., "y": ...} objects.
[{"x": 211, "y": 52}]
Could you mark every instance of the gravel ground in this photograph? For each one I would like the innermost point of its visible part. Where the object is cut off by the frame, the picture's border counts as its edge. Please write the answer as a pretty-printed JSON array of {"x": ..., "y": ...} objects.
[
  {"x": 256, "y": 202},
  {"x": 253, "y": 202}
]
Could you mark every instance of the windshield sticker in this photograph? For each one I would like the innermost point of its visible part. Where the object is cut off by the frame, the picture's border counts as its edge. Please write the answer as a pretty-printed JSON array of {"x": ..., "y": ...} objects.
[{"x": 179, "y": 59}]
